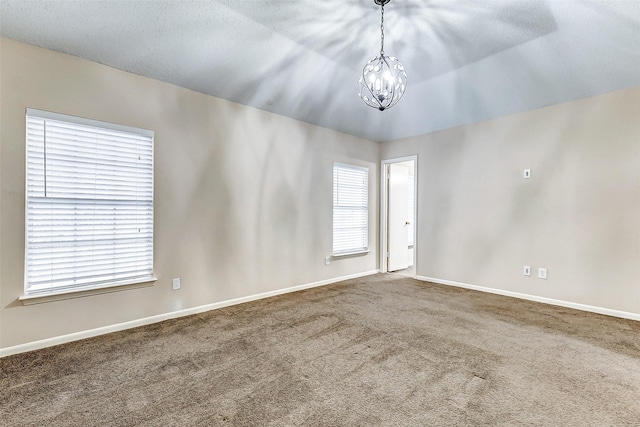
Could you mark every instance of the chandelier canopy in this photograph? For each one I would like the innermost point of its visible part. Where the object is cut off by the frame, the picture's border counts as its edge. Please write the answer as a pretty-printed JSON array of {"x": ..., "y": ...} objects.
[{"x": 383, "y": 79}]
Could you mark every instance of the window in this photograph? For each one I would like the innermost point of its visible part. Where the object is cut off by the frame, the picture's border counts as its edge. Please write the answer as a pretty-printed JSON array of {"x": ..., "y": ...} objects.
[
  {"x": 89, "y": 214},
  {"x": 350, "y": 209}
]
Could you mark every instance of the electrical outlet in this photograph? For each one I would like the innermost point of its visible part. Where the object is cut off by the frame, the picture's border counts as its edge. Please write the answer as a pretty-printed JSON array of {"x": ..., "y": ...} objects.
[
  {"x": 542, "y": 273},
  {"x": 527, "y": 174},
  {"x": 327, "y": 260},
  {"x": 526, "y": 270},
  {"x": 176, "y": 283}
]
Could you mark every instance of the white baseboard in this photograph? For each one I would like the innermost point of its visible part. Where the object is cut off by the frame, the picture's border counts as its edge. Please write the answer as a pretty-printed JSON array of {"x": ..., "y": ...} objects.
[
  {"x": 568, "y": 304},
  {"x": 49, "y": 342}
]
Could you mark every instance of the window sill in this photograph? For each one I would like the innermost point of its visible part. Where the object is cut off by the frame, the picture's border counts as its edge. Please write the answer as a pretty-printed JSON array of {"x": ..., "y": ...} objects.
[
  {"x": 38, "y": 298},
  {"x": 349, "y": 254}
]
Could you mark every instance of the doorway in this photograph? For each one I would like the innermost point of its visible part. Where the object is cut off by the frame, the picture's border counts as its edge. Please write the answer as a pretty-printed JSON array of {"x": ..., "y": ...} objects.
[{"x": 398, "y": 213}]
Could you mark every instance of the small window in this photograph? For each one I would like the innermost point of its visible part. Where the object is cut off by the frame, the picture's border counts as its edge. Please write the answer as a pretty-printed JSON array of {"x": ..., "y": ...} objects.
[
  {"x": 89, "y": 214},
  {"x": 350, "y": 209}
]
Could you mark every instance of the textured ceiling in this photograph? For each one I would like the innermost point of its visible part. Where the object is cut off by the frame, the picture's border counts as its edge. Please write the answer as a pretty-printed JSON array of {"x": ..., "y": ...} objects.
[{"x": 467, "y": 60}]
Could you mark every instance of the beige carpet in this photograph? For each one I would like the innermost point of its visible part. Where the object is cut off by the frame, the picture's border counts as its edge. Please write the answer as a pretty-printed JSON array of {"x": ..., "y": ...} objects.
[{"x": 378, "y": 351}]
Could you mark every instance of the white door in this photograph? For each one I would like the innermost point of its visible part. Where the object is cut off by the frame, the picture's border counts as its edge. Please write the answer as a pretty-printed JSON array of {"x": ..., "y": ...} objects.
[{"x": 398, "y": 237}]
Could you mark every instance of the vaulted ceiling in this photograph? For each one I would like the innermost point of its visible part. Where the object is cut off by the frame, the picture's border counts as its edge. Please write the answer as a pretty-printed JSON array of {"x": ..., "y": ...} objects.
[{"x": 467, "y": 61}]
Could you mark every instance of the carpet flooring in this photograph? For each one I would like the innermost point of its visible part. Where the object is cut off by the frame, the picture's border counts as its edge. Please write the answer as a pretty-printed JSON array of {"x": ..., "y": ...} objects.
[{"x": 382, "y": 350}]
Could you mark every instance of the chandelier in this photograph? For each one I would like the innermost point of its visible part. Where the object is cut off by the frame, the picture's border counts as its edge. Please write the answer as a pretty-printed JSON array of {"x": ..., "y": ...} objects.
[{"x": 383, "y": 79}]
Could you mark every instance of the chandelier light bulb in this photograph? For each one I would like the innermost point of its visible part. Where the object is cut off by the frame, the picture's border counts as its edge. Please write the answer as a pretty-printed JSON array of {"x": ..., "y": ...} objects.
[{"x": 384, "y": 78}]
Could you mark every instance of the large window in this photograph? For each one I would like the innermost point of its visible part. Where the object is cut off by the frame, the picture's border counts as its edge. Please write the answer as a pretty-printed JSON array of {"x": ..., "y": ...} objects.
[
  {"x": 89, "y": 214},
  {"x": 350, "y": 209}
]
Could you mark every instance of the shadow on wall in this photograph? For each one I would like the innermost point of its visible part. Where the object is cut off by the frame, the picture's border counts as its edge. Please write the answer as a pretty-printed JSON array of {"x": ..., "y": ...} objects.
[
  {"x": 247, "y": 194},
  {"x": 196, "y": 182}
]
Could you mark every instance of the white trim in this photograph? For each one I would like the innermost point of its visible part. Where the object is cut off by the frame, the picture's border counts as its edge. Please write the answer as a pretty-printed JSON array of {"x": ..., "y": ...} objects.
[
  {"x": 350, "y": 253},
  {"x": 561, "y": 303},
  {"x": 62, "y": 339},
  {"x": 103, "y": 288},
  {"x": 382, "y": 250},
  {"x": 384, "y": 196}
]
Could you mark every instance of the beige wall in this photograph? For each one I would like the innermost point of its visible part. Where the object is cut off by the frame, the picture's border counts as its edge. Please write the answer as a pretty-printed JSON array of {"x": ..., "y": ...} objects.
[
  {"x": 243, "y": 198},
  {"x": 480, "y": 222}
]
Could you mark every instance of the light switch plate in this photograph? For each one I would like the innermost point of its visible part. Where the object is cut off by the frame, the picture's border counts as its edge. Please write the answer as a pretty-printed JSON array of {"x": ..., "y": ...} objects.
[
  {"x": 527, "y": 173},
  {"x": 176, "y": 283},
  {"x": 526, "y": 270}
]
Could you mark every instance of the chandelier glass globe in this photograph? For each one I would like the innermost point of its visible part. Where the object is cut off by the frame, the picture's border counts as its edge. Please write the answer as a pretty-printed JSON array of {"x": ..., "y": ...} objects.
[{"x": 383, "y": 82}]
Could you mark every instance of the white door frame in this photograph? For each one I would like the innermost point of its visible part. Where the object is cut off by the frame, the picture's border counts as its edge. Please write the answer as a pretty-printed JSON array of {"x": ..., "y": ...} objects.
[{"x": 384, "y": 209}]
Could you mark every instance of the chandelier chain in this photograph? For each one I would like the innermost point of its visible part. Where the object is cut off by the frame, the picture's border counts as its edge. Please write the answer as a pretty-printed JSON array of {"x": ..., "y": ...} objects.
[{"x": 382, "y": 30}]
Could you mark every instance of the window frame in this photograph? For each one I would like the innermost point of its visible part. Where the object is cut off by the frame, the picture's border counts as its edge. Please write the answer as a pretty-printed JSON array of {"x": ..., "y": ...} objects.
[
  {"x": 95, "y": 286},
  {"x": 350, "y": 251}
]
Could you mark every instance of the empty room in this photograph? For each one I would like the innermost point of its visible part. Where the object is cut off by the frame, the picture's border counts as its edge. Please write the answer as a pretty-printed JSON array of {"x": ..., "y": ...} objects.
[{"x": 320, "y": 213}]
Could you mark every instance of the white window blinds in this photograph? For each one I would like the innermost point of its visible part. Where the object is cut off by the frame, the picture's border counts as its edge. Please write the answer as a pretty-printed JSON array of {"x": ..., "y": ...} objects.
[
  {"x": 89, "y": 204},
  {"x": 350, "y": 209}
]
